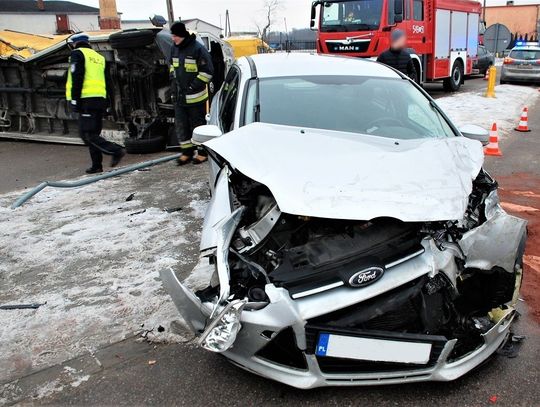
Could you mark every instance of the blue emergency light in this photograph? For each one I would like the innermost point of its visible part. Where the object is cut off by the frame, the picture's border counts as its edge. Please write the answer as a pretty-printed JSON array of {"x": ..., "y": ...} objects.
[{"x": 523, "y": 43}]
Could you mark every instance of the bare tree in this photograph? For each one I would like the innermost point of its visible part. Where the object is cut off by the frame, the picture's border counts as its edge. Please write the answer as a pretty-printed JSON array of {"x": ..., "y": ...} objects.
[{"x": 270, "y": 8}]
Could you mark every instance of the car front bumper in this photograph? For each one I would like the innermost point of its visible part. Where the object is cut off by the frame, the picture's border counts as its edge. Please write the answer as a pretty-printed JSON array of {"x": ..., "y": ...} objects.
[
  {"x": 520, "y": 75},
  {"x": 259, "y": 327}
]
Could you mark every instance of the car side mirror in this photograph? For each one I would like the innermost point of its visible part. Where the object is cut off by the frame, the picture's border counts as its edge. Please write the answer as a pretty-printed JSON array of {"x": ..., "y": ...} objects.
[
  {"x": 205, "y": 133},
  {"x": 474, "y": 132},
  {"x": 312, "y": 22}
]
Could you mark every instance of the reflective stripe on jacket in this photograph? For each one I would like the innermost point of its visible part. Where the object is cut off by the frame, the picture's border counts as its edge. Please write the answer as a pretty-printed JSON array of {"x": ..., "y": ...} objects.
[
  {"x": 192, "y": 70},
  {"x": 94, "y": 84}
]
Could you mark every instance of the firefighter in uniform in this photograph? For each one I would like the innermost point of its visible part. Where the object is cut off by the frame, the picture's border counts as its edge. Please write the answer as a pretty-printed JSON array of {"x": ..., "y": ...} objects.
[
  {"x": 191, "y": 71},
  {"x": 86, "y": 91}
]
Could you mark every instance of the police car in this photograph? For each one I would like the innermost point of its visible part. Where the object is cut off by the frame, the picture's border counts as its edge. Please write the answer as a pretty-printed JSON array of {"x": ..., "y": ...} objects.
[{"x": 522, "y": 64}]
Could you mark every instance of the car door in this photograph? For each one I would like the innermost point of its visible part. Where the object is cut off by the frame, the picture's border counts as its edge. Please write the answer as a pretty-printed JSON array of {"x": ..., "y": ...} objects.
[{"x": 483, "y": 60}]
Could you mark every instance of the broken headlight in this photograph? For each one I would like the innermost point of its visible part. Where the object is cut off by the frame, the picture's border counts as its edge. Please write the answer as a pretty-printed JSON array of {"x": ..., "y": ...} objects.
[{"x": 222, "y": 331}]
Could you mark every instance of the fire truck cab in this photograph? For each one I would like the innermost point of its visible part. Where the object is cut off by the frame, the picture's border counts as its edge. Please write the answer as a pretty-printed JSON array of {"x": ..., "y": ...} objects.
[{"x": 442, "y": 34}]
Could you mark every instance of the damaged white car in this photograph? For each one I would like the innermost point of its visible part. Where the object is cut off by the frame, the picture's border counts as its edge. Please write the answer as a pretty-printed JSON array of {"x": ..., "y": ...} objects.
[{"x": 353, "y": 237}]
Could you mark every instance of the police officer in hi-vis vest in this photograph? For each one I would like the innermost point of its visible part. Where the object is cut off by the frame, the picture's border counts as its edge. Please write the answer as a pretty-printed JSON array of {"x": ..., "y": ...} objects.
[
  {"x": 191, "y": 70},
  {"x": 86, "y": 91}
]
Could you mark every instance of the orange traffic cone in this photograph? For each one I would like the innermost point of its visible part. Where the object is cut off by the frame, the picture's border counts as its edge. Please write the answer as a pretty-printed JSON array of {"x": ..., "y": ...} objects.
[
  {"x": 524, "y": 121},
  {"x": 493, "y": 146},
  {"x": 486, "y": 76}
]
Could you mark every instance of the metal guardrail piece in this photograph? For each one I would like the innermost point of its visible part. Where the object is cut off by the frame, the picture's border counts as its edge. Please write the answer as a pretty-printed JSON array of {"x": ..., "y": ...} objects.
[{"x": 85, "y": 181}]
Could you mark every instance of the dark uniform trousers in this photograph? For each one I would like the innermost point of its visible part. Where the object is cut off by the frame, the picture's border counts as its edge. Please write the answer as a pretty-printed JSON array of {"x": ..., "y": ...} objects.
[
  {"x": 90, "y": 125},
  {"x": 187, "y": 118}
]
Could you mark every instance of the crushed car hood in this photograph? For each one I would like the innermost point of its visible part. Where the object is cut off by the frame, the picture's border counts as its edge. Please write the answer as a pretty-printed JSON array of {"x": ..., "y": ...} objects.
[{"x": 337, "y": 175}]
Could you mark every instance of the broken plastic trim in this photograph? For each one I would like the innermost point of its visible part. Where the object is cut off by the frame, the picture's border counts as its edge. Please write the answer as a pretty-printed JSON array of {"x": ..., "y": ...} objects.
[{"x": 225, "y": 232}]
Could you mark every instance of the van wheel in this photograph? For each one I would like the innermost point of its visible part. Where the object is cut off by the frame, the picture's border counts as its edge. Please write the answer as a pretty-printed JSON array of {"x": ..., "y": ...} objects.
[
  {"x": 131, "y": 39},
  {"x": 453, "y": 83},
  {"x": 145, "y": 145}
]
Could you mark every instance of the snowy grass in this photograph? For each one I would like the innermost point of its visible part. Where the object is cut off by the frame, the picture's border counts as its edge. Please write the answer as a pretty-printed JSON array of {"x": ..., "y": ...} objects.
[
  {"x": 474, "y": 108},
  {"x": 94, "y": 259}
]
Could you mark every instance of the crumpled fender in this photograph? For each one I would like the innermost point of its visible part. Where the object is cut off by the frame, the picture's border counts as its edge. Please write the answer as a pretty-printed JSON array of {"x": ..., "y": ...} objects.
[{"x": 497, "y": 242}]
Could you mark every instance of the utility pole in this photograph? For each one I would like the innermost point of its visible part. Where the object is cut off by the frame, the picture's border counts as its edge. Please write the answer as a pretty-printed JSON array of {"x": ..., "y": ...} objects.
[
  {"x": 170, "y": 12},
  {"x": 484, "y": 14}
]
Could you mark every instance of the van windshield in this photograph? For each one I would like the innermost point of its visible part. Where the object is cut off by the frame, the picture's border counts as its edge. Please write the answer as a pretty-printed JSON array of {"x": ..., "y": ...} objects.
[
  {"x": 359, "y": 15},
  {"x": 383, "y": 107}
]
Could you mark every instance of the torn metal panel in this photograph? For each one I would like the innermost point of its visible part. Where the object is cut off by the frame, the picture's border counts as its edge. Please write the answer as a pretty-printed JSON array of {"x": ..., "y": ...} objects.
[{"x": 496, "y": 241}]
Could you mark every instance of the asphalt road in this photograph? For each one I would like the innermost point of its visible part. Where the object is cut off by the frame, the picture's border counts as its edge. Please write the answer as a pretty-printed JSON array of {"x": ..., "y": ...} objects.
[
  {"x": 185, "y": 375},
  {"x": 24, "y": 164}
]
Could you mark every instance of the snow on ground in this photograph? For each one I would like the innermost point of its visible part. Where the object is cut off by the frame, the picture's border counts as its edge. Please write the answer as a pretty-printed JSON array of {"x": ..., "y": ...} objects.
[
  {"x": 474, "y": 108},
  {"x": 94, "y": 260}
]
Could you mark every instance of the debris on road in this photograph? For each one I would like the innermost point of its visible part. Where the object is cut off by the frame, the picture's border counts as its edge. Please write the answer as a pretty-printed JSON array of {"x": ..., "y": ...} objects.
[
  {"x": 171, "y": 210},
  {"x": 130, "y": 197},
  {"x": 152, "y": 362},
  {"x": 22, "y": 306},
  {"x": 137, "y": 213}
]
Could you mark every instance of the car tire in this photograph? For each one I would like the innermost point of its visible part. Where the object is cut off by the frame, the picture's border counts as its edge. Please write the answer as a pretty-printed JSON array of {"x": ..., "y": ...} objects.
[
  {"x": 453, "y": 83},
  {"x": 145, "y": 145},
  {"x": 131, "y": 39}
]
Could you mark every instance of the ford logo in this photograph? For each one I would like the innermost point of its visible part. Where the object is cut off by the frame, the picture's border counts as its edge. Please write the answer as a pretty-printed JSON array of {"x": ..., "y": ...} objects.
[{"x": 366, "y": 277}]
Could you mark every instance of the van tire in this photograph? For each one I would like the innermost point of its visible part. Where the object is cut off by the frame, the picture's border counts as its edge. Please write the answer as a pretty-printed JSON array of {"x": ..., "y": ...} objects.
[
  {"x": 131, "y": 39},
  {"x": 453, "y": 83},
  {"x": 145, "y": 145}
]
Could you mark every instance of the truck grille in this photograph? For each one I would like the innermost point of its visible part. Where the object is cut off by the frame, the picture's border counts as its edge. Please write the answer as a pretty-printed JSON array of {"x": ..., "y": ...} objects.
[{"x": 340, "y": 47}]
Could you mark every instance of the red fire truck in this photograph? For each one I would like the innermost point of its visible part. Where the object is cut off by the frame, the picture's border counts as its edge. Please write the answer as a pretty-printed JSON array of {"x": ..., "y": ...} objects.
[{"x": 442, "y": 34}]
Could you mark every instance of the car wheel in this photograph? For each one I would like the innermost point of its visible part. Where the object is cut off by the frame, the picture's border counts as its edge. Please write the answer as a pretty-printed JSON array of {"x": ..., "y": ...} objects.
[
  {"x": 131, "y": 39},
  {"x": 502, "y": 82},
  {"x": 453, "y": 83},
  {"x": 145, "y": 145}
]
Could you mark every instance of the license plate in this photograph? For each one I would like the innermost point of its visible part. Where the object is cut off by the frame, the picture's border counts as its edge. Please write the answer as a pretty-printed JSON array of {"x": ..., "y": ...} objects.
[
  {"x": 371, "y": 349},
  {"x": 525, "y": 66}
]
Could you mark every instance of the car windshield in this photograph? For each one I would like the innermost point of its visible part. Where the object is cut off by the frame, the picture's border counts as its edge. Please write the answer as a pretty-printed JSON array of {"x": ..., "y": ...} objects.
[
  {"x": 361, "y": 15},
  {"x": 391, "y": 108},
  {"x": 525, "y": 54}
]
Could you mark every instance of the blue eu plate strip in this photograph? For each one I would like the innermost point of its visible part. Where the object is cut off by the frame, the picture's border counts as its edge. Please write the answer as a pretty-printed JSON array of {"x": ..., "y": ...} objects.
[{"x": 322, "y": 346}]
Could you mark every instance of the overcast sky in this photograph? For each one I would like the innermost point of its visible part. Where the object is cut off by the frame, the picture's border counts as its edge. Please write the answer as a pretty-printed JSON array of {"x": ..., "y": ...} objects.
[{"x": 243, "y": 13}]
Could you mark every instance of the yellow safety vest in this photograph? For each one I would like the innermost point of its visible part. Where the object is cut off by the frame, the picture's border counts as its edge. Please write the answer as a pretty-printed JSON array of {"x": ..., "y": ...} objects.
[{"x": 94, "y": 85}]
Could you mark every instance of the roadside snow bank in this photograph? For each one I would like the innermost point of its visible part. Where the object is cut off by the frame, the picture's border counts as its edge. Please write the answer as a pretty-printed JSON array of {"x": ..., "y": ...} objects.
[
  {"x": 94, "y": 259},
  {"x": 474, "y": 108}
]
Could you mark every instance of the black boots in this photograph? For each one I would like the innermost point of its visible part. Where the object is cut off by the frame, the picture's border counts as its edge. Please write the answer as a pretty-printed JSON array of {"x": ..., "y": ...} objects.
[
  {"x": 94, "y": 170},
  {"x": 117, "y": 157}
]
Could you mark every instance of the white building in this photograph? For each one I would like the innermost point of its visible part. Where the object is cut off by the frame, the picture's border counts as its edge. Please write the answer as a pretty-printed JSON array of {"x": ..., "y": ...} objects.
[
  {"x": 192, "y": 24},
  {"x": 47, "y": 17}
]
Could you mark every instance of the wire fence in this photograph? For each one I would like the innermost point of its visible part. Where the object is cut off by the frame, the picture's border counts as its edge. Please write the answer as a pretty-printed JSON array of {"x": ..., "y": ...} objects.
[{"x": 294, "y": 46}]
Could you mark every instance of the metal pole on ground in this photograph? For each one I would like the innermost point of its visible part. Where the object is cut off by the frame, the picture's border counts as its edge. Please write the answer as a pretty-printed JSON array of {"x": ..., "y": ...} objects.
[{"x": 89, "y": 180}]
